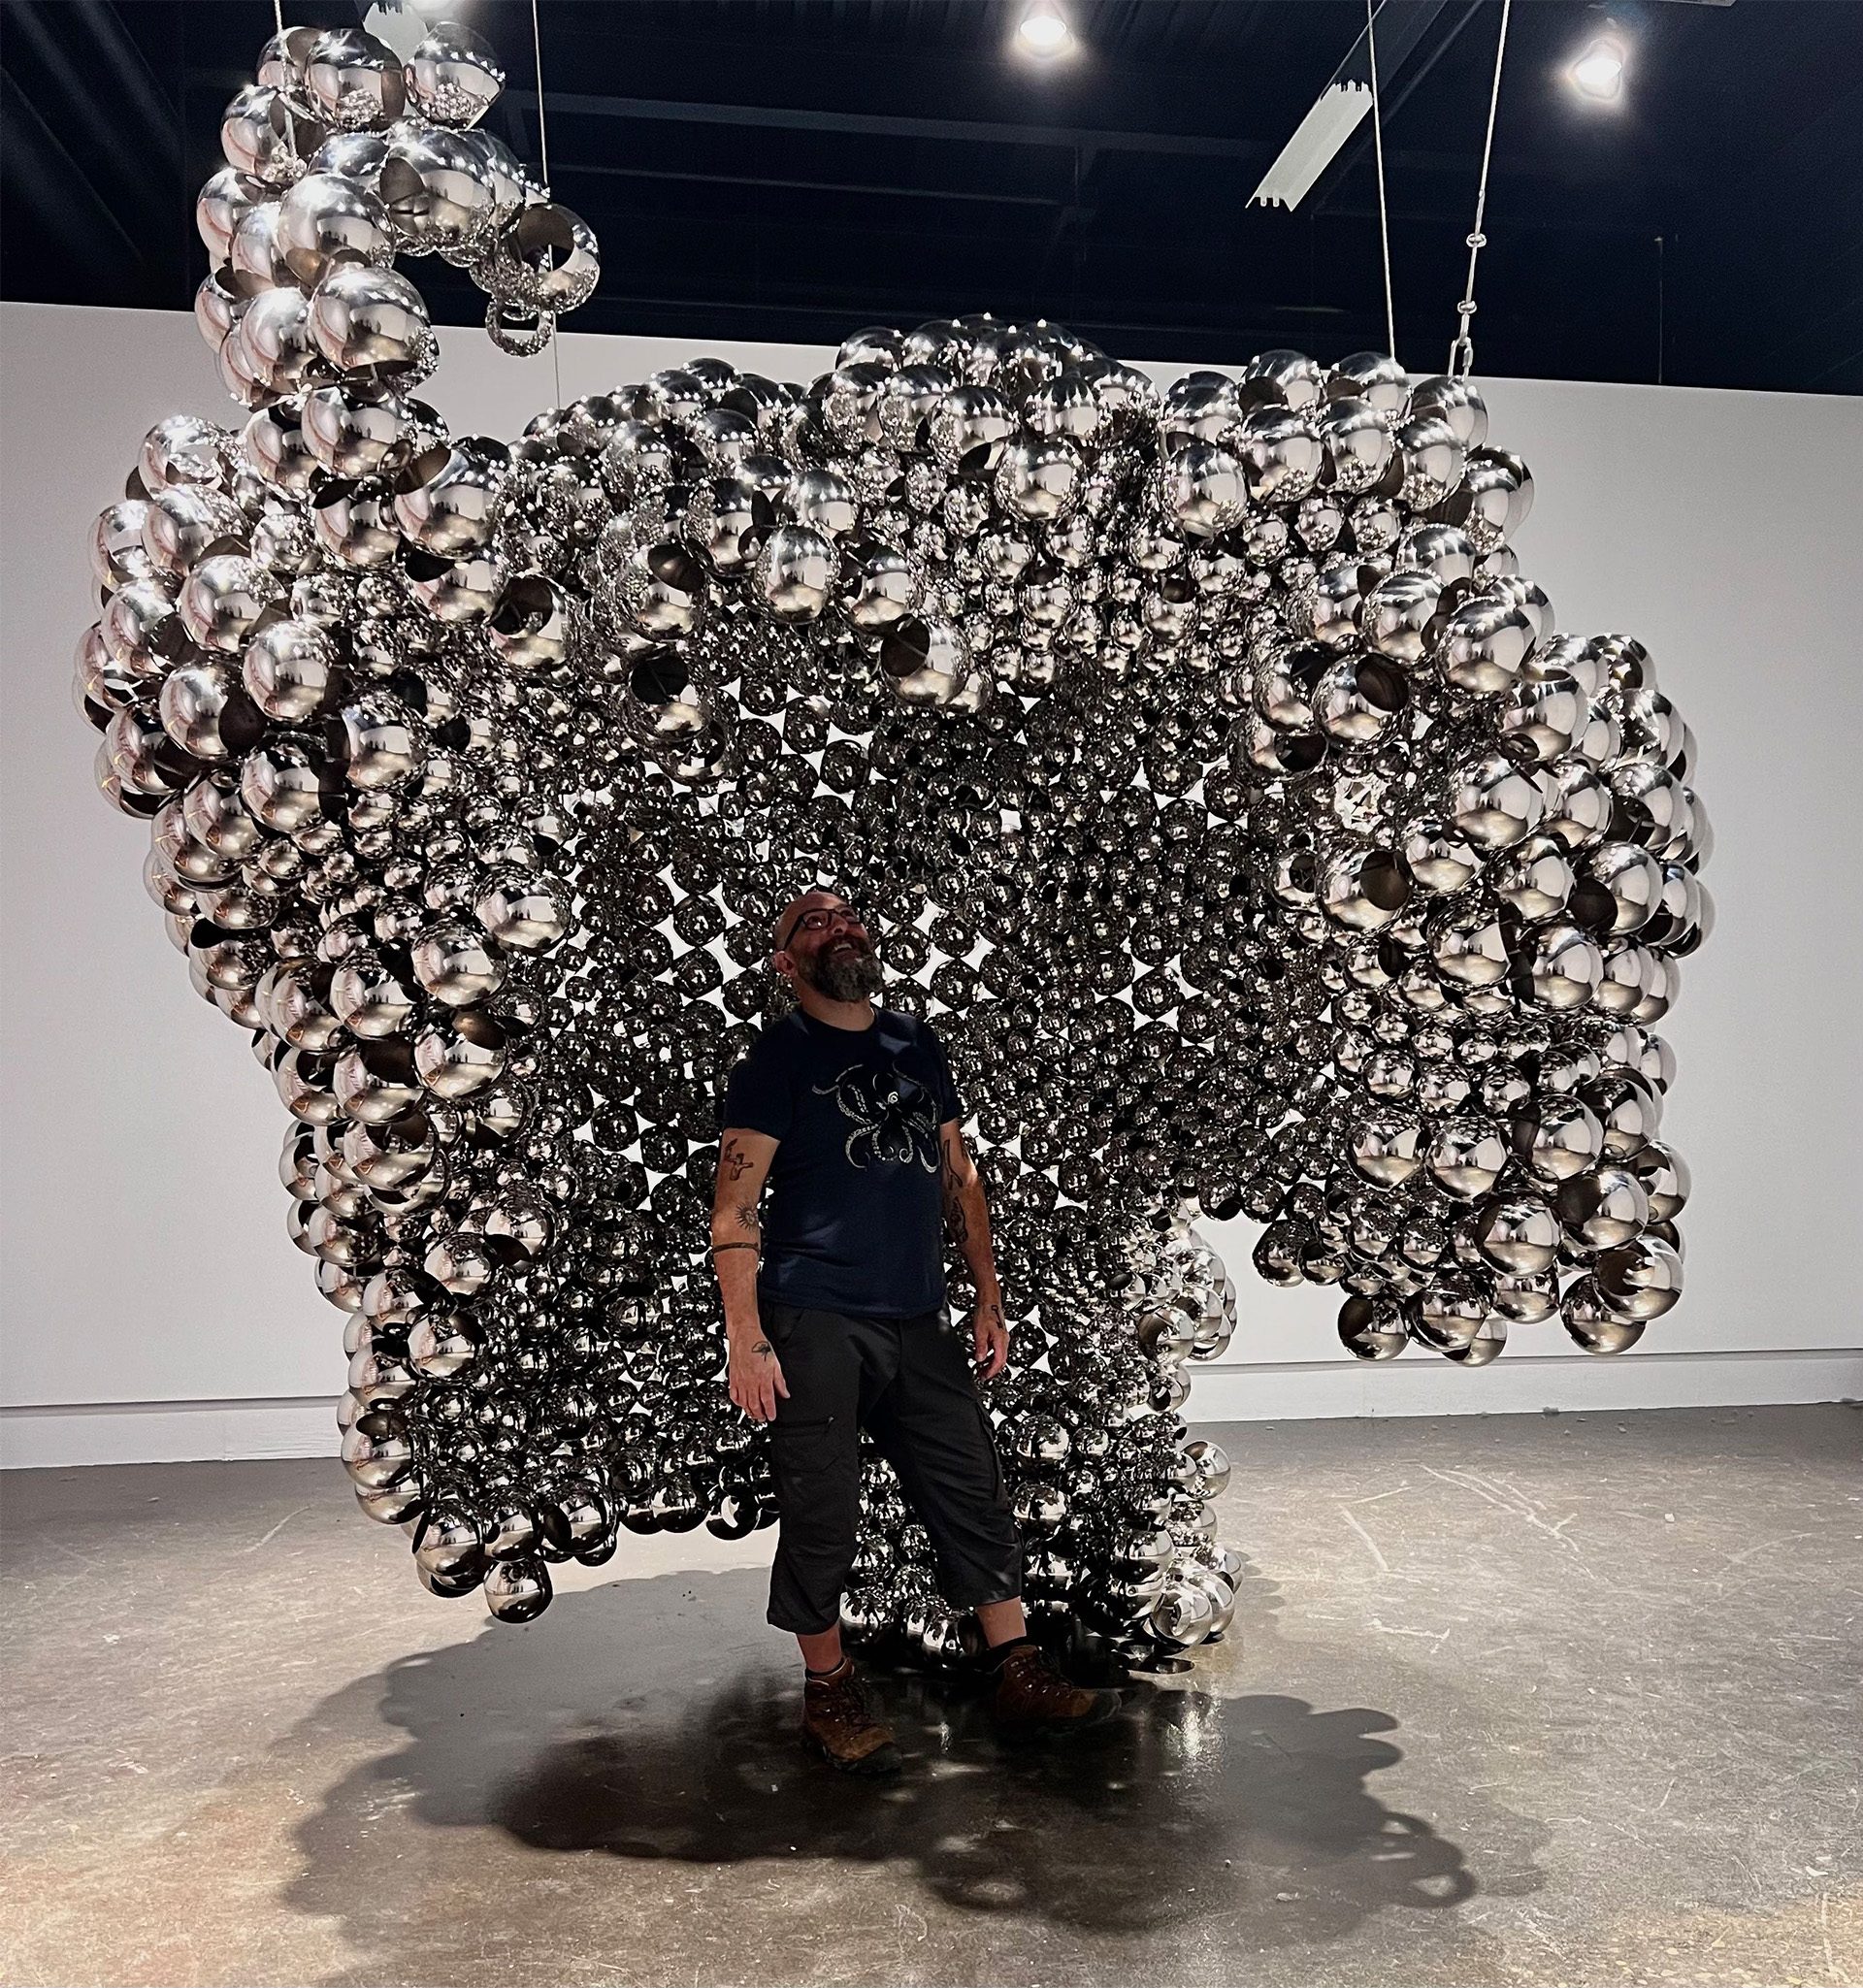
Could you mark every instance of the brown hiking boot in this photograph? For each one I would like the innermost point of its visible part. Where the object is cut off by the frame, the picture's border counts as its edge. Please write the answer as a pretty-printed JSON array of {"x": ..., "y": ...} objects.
[
  {"x": 1032, "y": 1698},
  {"x": 838, "y": 1724}
]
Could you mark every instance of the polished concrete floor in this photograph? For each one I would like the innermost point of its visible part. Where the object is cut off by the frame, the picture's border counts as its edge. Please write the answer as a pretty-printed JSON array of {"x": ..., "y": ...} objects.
[{"x": 1564, "y": 1699}]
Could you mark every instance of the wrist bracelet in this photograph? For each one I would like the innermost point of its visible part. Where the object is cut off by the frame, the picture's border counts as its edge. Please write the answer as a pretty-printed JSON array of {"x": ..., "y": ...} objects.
[{"x": 718, "y": 1249}]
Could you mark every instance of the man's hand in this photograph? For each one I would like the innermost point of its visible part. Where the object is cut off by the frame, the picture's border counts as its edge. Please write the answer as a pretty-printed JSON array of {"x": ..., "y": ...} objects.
[
  {"x": 990, "y": 1337},
  {"x": 756, "y": 1376}
]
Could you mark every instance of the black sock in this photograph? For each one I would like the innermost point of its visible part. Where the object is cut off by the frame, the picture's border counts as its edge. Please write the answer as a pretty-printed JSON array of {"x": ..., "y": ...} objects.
[{"x": 995, "y": 1655}]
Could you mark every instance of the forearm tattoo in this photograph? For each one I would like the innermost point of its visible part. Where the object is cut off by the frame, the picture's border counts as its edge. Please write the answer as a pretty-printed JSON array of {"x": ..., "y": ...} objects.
[
  {"x": 955, "y": 1219},
  {"x": 733, "y": 1163}
]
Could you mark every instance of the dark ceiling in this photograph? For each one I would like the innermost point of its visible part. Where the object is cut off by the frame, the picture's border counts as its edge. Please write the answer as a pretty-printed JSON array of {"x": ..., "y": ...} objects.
[{"x": 790, "y": 168}]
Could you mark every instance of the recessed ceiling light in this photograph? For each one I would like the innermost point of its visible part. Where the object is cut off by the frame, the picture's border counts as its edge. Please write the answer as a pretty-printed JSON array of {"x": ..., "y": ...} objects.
[
  {"x": 1043, "y": 29},
  {"x": 1596, "y": 71}
]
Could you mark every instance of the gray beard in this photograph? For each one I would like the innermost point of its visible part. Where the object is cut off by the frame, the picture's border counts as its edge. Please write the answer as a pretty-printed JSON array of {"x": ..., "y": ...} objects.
[{"x": 852, "y": 977}]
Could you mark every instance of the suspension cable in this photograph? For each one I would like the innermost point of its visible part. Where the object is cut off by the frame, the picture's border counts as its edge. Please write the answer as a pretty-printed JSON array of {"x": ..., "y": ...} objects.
[
  {"x": 1384, "y": 211},
  {"x": 1461, "y": 352},
  {"x": 543, "y": 152},
  {"x": 542, "y": 121}
]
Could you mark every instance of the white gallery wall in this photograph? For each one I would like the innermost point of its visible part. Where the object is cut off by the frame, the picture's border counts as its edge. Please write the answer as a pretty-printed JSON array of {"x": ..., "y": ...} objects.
[{"x": 153, "y": 1307}]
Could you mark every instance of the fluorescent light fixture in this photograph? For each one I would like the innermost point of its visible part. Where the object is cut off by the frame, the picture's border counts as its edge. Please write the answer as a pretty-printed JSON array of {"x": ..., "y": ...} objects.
[
  {"x": 1340, "y": 109},
  {"x": 1401, "y": 26},
  {"x": 1043, "y": 29},
  {"x": 1597, "y": 70}
]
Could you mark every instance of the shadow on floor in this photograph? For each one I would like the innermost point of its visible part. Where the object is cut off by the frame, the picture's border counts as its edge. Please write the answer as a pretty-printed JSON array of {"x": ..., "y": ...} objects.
[
  {"x": 654, "y": 1722},
  {"x": 1176, "y": 1809}
]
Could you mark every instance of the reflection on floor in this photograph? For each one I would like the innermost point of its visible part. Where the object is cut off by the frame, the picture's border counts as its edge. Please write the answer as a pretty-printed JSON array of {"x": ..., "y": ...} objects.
[
  {"x": 1510, "y": 1700},
  {"x": 1133, "y": 1830}
]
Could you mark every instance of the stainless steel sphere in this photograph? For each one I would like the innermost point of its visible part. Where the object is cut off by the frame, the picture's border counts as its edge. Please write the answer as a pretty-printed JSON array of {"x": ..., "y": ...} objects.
[
  {"x": 796, "y": 574},
  {"x": 370, "y": 321},
  {"x": 356, "y": 82},
  {"x": 453, "y": 77},
  {"x": 925, "y": 661},
  {"x": 326, "y": 219}
]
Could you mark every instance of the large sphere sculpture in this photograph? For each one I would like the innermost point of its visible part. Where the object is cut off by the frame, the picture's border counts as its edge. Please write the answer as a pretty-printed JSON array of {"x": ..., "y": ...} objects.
[{"x": 1203, "y": 760}]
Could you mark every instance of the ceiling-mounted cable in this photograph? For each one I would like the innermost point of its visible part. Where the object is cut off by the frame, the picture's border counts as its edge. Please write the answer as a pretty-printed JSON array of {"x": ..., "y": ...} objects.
[
  {"x": 543, "y": 159},
  {"x": 1384, "y": 211},
  {"x": 290, "y": 121},
  {"x": 1461, "y": 352},
  {"x": 542, "y": 120}
]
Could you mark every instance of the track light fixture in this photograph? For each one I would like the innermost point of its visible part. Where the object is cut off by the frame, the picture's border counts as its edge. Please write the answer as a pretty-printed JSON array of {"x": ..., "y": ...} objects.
[
  {"x": 1596, "y": 71},
  {"x": 1043, "y": 29}
]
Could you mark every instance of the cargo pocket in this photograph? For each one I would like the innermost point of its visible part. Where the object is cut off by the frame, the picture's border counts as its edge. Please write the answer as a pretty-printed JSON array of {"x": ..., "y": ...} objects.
[
  {"x": 804, "y": 1445},
  {"x": 999, "y": 1490}
]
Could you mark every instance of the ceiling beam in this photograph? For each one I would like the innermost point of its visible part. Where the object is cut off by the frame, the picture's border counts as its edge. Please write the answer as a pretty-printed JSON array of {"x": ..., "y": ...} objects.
[
  {"x": 868, "y": 124},
  {"x": 848, "y": 123},
  {"x": 574, "y": 169},
  {"x": 957, "y": 131}
]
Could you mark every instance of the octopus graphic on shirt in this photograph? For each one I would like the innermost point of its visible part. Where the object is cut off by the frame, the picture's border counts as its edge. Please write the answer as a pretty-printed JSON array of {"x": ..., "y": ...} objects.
[{"x": 894, "y": 1117}]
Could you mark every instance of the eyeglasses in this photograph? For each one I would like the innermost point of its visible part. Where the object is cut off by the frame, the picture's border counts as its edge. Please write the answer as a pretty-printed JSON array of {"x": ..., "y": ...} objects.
[{"x": 824, "y": 920}]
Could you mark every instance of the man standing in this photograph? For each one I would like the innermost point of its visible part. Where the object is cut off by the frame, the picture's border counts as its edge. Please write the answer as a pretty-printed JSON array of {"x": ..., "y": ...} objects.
[{"x": 834, "y": 1307}]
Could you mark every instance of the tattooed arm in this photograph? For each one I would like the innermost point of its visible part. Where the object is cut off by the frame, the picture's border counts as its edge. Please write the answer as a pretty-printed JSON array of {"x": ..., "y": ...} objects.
[
  {"x": 736, "y": 1247},
  {"x": 966, "y": 1219}
]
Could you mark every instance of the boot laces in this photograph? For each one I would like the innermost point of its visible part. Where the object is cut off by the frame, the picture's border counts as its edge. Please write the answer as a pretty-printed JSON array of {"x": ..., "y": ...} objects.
[
  {"x": 845, "y": 1697},
  {"x": 1037, "y": 1674}
]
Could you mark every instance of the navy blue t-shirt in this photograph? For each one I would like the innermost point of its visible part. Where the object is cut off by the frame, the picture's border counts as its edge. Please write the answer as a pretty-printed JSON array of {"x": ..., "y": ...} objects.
[{"x": 854, "y": 1220}]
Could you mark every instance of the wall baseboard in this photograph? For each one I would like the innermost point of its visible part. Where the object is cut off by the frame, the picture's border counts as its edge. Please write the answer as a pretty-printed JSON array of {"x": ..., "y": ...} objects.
[
  {"x": 60, "y": 1436},
  {"x": 1521, "y": 1383},
  {"x": 168, "y": 1431}
]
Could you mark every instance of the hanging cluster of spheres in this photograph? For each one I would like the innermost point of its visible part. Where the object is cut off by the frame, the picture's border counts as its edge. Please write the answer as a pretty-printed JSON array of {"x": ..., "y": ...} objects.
[{"x": 1207, "y": 769}]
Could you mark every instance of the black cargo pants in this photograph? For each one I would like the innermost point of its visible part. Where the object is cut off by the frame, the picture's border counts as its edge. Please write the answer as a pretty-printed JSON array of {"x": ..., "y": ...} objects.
[{"x": 910, "y": 1385}]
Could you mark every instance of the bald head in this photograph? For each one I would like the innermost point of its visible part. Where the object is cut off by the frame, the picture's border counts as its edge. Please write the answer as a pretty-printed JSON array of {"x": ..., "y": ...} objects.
[
  {"x": 787, "y": 919},
  {"x": 822, "y": 944}
]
